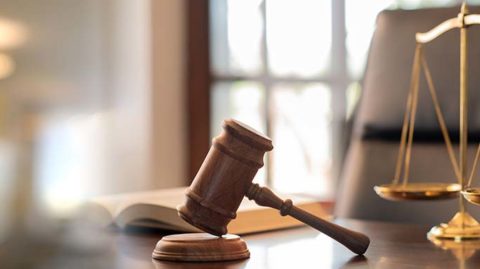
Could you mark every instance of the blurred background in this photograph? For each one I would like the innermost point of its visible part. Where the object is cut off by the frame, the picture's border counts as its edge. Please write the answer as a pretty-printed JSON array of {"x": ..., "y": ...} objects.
[{"x": 101, "y": 97}]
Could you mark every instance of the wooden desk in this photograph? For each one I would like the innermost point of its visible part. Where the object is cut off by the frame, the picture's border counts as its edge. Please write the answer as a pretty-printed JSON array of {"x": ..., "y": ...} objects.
[{"x": 392, "y": 246}]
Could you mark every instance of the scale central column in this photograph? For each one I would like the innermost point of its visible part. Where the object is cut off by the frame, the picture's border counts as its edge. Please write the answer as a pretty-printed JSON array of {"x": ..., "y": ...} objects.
[{"x": 463, "y": 106}]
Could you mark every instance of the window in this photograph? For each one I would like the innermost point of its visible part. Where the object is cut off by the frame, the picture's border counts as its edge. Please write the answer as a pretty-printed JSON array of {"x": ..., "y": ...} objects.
[
  {"x": 291, "y": 69},
  {"x": 277, "y": 78}
]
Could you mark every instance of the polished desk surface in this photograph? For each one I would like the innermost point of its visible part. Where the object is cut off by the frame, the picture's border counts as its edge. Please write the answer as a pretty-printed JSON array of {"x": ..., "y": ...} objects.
[{"x": 392, "y": 246}]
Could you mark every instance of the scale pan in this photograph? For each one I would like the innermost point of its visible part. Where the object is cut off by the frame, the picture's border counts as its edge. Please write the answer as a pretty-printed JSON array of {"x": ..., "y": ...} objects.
[
  {"x": 472, "y": 195},
  {"x": 418, "y": 191}
]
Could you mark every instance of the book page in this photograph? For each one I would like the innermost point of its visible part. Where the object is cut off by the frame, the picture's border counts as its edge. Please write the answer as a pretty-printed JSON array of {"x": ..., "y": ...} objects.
[
  {"x": 168, "y": 198},
  {"x": 157, "y": 208}
]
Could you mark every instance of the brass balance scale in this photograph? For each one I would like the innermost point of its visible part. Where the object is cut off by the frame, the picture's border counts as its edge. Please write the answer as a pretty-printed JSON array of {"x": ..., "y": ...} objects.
[{"x": 462, "y": 226}]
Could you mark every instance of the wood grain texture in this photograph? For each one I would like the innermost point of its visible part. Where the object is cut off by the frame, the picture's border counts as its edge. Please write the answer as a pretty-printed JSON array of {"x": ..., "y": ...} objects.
[
  {"x": 200, "y": 247},
  {"x": 393, "y": 245},
  {"x": 225, "y": 177},
  {"x": 355, "y": 241},
  {"x": 198, "y": 83}
]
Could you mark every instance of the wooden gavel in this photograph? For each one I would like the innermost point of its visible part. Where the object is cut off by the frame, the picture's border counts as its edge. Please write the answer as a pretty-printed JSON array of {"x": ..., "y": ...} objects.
[{"x": 225, "y": 177}]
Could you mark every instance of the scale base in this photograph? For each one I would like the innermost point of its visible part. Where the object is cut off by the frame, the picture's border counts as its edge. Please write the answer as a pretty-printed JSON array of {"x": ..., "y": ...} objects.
[{"x": 460, "y": 228}]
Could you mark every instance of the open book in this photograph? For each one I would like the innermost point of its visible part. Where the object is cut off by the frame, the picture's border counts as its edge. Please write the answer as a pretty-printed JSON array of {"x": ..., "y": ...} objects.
[{"x": 158, "y": 209}]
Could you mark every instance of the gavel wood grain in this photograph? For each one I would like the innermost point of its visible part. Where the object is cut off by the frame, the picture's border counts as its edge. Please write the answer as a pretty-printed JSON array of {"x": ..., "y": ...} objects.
[
  {"x": 356, "y": 242},
  {"x": 226, "y": 176}
]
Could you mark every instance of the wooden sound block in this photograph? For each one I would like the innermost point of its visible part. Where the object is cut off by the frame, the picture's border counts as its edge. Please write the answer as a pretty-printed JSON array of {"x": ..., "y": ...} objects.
[{"x": 200, "y": 247}]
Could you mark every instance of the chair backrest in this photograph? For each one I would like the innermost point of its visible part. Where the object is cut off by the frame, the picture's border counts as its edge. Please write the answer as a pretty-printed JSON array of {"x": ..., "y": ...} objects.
[{"x": 376, "y": 134}]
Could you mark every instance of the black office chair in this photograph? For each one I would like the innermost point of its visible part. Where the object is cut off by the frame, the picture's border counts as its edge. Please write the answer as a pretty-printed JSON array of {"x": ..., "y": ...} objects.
[{"x": 377, "y": 126}]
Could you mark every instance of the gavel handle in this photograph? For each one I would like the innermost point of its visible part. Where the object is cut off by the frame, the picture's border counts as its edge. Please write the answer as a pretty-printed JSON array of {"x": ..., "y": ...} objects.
[{"x": 355, "y": 241}]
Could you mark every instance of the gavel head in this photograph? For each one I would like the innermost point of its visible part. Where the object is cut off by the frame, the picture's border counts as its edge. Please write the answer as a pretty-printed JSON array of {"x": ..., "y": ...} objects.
[{"x": 224, "y": 177}]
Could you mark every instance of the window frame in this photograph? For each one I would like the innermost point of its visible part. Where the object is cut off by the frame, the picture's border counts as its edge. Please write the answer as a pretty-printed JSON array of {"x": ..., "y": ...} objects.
[
  {"x": 198, "y": 84},
  {"x": 200, "y": 80}
]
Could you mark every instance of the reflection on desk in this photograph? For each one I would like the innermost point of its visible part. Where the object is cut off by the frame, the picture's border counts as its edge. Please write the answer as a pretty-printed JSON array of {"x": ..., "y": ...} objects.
[{"x": 392, "y": 246}]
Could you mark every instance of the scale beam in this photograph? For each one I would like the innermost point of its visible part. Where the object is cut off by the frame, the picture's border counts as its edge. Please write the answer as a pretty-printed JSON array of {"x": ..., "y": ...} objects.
[{"x": 453, "y": 23}]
